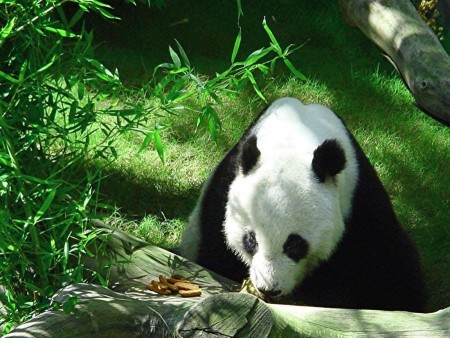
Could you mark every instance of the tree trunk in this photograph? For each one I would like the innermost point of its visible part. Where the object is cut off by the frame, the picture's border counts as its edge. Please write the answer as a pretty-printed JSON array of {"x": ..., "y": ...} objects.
[
  {"x": 397, "y": 29},
  {"x": 130, "y": 310}
]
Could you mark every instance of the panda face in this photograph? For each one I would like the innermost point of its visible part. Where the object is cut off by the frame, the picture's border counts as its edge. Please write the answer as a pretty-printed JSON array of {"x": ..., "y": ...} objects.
[{"x": 282, "y": 221}]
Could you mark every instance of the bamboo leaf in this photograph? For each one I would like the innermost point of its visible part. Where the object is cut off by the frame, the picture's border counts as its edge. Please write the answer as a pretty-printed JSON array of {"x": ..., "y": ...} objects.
[
  {"x": 164, "y": 65},
  {"x": 98, "y": 6},
  {"x": 9, "y": 77},
  {"x": 239, "y": 6},
  {"x": 76, "y": 17},
  {"x": 158, "y": 144},
  {"x": 237, "y": 44},
  {"x": 272, "y": 38},
  {"x": 44, "y": 207},
  {"x": 62, "y": 32},
  {"x": 48, "y": 65},
  {"x": 23, "y": 70},
  {"x": 148, "y": 138},
  {"x": 256, "y": 56},
  {"x": 264, "y": 69},
  {"x": 6, "y": 31},
  {"x": 80, "y": 90},
  {"x": 175, "y": 58},
  {"x": 212, "y": 129},
  {"x": 255, "y": 86},
  {"x": 294, "y": 70},
  {"x": 183, "y": 54},
  {"x": 66, "y": 250},
  {"x": 179, "y": 70},
  {"x": 69, "y": 305}
]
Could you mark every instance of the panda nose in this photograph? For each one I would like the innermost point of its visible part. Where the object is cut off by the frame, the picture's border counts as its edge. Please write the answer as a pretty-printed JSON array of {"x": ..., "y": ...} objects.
[{"x": 269, "y": 293}]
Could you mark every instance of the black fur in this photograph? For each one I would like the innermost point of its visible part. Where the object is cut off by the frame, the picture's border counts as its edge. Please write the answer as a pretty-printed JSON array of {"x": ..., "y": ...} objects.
[
  {"x": 375, "y": 266},
  {"x": 295, "y": 247},
  {"x": 249, "y": 154},
  {"x": 329, "y": 160},
  {"x": 250, "y": 243}
]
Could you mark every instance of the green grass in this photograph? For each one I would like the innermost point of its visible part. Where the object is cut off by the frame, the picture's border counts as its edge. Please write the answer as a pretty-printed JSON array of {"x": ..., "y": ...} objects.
[{"x": 347, "y": 73}]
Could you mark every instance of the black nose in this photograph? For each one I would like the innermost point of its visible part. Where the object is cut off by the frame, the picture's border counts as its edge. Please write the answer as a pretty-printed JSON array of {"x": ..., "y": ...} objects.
[{"x": 269, "y": 293}]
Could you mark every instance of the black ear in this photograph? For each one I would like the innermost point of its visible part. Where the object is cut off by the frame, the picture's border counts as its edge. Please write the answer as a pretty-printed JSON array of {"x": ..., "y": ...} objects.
[
  {"x": 329, "y": 160},
  {"x": 249, "y": 154}
]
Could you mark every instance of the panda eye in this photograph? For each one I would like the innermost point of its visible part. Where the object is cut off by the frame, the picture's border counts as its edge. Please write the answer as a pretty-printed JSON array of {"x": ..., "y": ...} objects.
[
  {"x": 295, "y": 247},
  {"x": 250, "y": 243}
]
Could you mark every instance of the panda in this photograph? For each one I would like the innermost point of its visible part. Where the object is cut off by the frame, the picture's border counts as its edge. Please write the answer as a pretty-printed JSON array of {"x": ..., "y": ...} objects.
[{"x": 296, "y": 206}]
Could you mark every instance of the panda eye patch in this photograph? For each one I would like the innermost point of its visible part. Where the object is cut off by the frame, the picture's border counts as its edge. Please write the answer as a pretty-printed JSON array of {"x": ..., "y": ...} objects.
[
  {"x": 295, "y": 247},
  {"x": 250, "y": 243}
]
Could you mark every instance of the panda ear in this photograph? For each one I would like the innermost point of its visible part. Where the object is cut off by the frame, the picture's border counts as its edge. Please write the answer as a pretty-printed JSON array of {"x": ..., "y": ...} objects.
[
  {"x": 248, "y": 154},
  {"x": 329, "y": 160}
]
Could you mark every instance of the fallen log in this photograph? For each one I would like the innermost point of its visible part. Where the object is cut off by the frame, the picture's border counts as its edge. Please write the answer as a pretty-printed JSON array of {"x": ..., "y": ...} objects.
[
  {"x": 128, "y": 309},
  {"x": 411, "y": 46}
]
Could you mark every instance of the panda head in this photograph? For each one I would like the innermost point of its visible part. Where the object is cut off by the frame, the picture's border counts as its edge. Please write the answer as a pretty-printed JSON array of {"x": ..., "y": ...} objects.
[{"x": 284, "y": 214}]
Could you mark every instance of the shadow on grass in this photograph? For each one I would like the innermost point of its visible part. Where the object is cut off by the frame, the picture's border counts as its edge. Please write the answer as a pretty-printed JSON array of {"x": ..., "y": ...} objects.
[{"x": 137, "y": 199}]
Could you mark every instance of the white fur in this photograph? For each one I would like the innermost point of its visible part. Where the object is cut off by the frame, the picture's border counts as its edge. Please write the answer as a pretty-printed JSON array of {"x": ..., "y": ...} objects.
[{"x": 281, "y": 195}]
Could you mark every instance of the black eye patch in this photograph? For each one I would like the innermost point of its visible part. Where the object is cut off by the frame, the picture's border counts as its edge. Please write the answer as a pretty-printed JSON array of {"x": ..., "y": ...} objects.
[
  {"x": 250, "y": 243},
  {"x": 295, "y": 247}
]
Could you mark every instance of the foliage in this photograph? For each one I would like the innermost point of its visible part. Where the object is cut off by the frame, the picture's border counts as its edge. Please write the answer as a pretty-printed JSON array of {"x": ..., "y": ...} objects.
[
  {"x": 54, "y": 97},
  {"x": 179, "y": 83},
  {"x": 46, "y": 118}
]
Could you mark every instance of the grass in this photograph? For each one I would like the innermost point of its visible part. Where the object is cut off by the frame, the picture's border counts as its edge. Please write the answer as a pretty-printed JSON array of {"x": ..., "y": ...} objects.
[{"x": 347, "y": 73}]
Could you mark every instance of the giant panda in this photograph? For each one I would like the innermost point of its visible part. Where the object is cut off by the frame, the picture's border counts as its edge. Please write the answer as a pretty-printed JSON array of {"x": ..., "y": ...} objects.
[{"x": 296, "y": 206}]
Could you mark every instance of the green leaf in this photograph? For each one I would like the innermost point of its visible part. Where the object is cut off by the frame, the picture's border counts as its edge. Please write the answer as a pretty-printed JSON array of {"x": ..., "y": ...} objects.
[
  {"x": 76, "y": 17},
  {"x": 62, "y": 32},
  {"x": 44, "y": 207},
  {"x": 264, "y": 69},
  {"x": 256, "y": 56},
  {"x": 9, "y": 77},
  {"x": 66, "y": 250},
  {"x": 294, "y": 70},
  {"x": 158, "y": 144},
  {"x": 175, "y": 58},
  {"x": 103, "y": 72},
  {"x": 164, "y": 65},
  {"x": 212, "y": 129},
  {"x": 145, "y": 143},
  {"x": 215, "y": 116},
  {"x": 23, "y": 70},
  {"x": 62, "y": 15},
  {"x": 183, "y": 54},
  {"x": 6, "y": 31},
  {"x": 272, "y": 38},
  {"x": 98, "y": 7},
  {"x": 179, "y": 70},
  {"x": 69, "y": 305},
  {"x": 80, "y": 90},
  {"x": 218, "y": 78},
  {"x": 48, "y": 65},
  {"x": 239, "y": 6},
  {"x": 237, "y": 44},
  {"x": 73, "y": 111},
  {"x": 249, "y": 75}
]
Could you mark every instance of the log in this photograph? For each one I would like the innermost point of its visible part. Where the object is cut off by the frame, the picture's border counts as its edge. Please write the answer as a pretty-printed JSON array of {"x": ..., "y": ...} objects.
[
  {"x": 411, "y": 46},
  {"x": 128, "y": 309}
]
